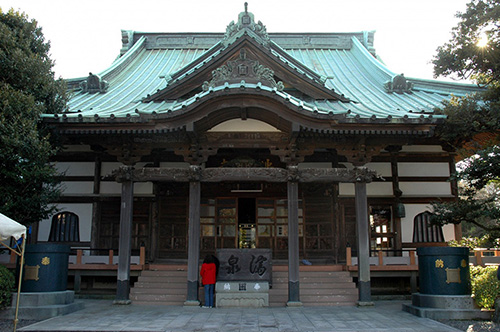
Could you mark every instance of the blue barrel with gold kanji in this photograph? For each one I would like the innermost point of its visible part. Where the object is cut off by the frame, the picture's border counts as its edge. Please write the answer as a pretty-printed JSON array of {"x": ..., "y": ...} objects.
[
  {"x": 45, "y": 268},
  {"x": 444, "y": 270}
]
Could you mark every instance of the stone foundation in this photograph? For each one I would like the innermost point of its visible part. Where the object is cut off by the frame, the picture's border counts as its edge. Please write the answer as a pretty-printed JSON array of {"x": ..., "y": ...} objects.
[
  {"x": 42, "y": 305},
  {"x": 241, "y": 294},
  {"x": 445, "y": 307}
]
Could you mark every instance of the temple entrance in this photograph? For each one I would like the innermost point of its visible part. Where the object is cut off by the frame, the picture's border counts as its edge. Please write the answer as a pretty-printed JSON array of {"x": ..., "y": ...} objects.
[
  {"x": 247, "y": 230},
  {"x": 246, "y": 222},
  {"x": 255, "y": 215}
]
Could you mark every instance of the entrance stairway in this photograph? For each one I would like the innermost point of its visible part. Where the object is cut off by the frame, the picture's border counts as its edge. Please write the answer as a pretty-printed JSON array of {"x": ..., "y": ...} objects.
[
  {"x": 319, "y": 286},
  {"x": 161, "y": 285}
]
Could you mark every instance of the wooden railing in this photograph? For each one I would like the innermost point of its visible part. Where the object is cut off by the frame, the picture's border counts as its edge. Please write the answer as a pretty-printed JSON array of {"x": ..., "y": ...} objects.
[
  {"x": 92, "y": 262},
  {"x": 101, "y": 265},
  {"x": 101, "y": 262},
  {"x": 382, "y": 258},
  {"x": 482, "y": 257}
]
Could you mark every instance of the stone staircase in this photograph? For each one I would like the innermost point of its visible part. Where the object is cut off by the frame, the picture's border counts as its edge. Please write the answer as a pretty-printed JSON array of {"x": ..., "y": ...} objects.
[
  {"x": 319, "y": 286},
  {"x": 161, "y": 285}
]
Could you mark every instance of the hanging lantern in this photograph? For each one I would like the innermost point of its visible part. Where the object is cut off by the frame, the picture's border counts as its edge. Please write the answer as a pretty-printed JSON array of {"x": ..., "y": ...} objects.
[{"x": 400, "y": 210}]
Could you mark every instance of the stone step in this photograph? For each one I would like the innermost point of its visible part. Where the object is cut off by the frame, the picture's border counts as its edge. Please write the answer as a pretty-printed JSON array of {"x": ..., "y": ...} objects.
[
  {"x": 314, "y": 273},
  {"x": 322, "y": 286},
  {"x": 327, "y": 298},
  {"x": 169, "y": 287},
  {"x": 161, "y": 284},
  {"x": 312, "y": 291},
  {"x": 165, "y": 303},
  {"x": 313, "y": 280},
  {"x": 163, "y": 279},
  {"x": 164, "y": 273},
  {"x": 170, "y": 290},
  {"x": 156, "y": 298}
]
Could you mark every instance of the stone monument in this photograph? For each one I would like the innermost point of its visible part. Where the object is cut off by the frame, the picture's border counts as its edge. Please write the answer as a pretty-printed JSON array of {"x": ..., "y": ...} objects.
[{"x": 244, "y": 278}]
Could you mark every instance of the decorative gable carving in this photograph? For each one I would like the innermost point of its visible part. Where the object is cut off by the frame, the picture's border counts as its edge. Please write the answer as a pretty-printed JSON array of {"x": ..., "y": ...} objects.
[
  {"x": 243, "y": 69},
  {"x": 219, "y": 65},
  {"x": 246, "y": 21}
]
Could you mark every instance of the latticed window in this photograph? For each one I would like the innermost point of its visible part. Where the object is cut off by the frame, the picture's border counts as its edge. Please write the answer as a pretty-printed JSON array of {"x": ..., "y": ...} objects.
[
  {"x": 65, "y": 228},
  {"x": 424, "y": 231}
]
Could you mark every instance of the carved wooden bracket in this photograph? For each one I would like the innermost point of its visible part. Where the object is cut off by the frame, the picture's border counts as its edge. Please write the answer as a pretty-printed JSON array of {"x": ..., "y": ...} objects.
[
  {"x": 359, "y": 153},
  {"x": 128, "y": 153},
  {"x": 291, "y": 154},
  {"x": 195, "y": 154},
  {"x": 123, "y": 174}
]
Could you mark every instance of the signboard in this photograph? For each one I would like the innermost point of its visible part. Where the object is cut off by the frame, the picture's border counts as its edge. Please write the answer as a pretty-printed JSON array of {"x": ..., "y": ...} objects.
[{"x": 245, "y": 265}]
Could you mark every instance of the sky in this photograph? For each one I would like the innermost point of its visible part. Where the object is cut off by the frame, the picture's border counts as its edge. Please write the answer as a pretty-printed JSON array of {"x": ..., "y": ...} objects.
[{"x": 85, "y": 36}]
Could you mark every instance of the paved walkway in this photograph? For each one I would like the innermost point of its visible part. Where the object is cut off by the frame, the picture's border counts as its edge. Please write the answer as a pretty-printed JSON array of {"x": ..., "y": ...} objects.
[{"x": 104, "y": 316}]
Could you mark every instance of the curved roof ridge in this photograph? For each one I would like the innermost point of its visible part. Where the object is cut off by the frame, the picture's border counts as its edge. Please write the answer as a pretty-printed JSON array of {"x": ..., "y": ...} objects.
[
  {"x": 357, "y": 45},
  {"x": 124, "y": 59}
]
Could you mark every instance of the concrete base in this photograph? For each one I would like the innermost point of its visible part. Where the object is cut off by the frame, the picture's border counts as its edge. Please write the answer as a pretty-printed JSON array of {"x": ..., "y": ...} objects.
[
  {"x": 445, "y": 307},
  {"x": 241, "y": 294},
  {"x": 365, "y": 304},
  {"x": 294, "y": 304},
  {"x": 43, "y": 305},
  {"x": 192, "y": 303}
]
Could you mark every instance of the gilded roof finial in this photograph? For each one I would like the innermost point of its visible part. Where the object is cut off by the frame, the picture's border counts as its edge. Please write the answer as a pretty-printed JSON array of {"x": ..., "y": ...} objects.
[{"x": 246, "y": 7}]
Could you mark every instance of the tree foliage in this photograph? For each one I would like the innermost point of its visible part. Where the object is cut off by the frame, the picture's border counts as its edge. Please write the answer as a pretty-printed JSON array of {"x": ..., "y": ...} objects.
[
  {"x": 473, "y": 123},
  {"x": 462, "y": 56},
  {"x": 27, "y": 90}
]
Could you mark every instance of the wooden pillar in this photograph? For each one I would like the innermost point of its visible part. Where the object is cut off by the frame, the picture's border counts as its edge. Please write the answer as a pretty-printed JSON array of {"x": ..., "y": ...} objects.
[
  {"x": 96, "y": 205},
  {"x": 154, "y": 232},
  {"x": 293, "y": 244},
  {"x": 193, "y": 243},
  {"x": 125, "y": 241},
  {"x": 398, "y": 245},
  {"x": 362, "y": 228}
]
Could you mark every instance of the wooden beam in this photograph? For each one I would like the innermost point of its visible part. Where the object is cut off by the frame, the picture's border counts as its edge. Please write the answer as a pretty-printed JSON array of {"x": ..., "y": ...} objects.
[{"x": 247, "y": 174}]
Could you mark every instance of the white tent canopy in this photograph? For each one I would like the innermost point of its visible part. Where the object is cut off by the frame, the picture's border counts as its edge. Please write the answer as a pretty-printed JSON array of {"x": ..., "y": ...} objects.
[{"x": 9, "y": 227}]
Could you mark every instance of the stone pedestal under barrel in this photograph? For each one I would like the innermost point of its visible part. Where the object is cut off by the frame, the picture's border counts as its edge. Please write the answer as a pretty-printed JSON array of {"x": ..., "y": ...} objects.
[{"x": 444, "y": 280}]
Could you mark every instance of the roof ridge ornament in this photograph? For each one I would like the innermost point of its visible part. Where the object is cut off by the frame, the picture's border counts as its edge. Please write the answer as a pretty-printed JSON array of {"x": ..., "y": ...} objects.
[
  {"x": 246, "y": 22},
  {"x": 398, "y": 84},
  {"x": 94, "y": 83},
  {"x": 243, "y": 69}
]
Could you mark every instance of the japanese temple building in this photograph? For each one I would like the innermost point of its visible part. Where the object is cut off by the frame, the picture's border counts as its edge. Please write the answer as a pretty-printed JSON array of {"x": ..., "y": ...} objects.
[{"x": 304, "y": 143}]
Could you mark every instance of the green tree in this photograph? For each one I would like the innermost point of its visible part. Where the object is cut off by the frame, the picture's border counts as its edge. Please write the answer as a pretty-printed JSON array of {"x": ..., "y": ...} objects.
[
  {"x": 27, "y": 90},
  {"x": 473, "y": 124}
]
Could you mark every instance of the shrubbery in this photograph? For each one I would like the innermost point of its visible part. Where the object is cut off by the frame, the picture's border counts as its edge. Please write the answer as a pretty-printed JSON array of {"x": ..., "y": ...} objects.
[
  {"x": 485, "y": 285},
  {"x": 7, "y": 284}
]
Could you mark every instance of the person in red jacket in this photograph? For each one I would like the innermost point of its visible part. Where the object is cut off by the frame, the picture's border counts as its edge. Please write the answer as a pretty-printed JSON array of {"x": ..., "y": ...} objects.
[{"x": 208, "y": 271}]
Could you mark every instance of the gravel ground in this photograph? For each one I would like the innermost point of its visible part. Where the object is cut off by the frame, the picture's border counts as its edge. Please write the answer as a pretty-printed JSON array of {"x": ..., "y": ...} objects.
[
  {"x": 7, "y": 325},
  {"x": 472, "y": 325}
]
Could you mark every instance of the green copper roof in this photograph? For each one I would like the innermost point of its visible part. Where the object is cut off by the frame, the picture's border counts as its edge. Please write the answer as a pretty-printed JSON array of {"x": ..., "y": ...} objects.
[{"x": 342, "y": 63}]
